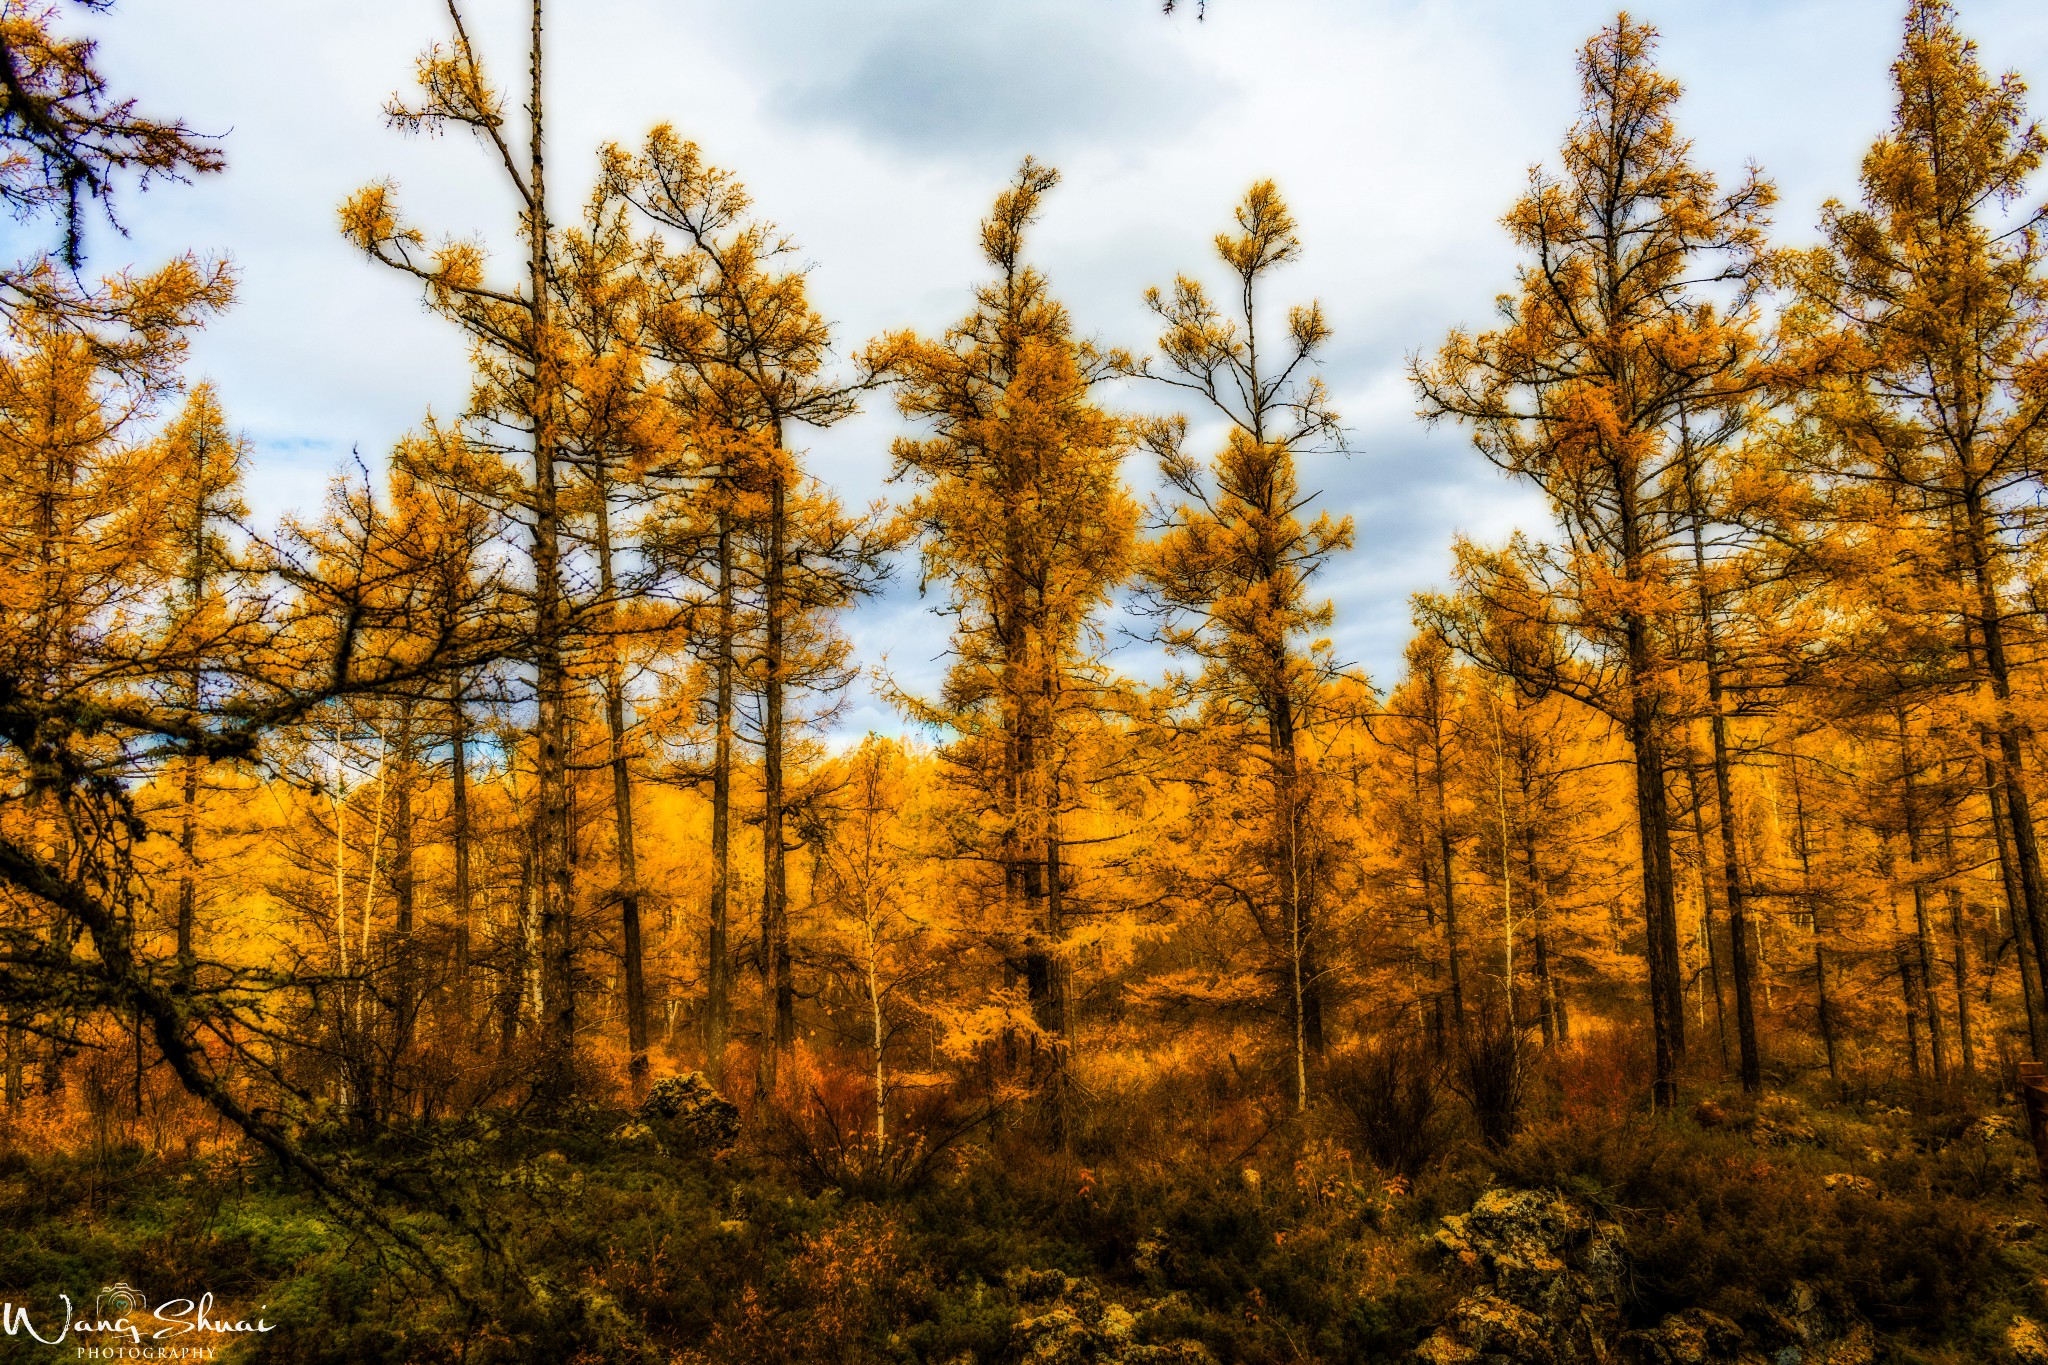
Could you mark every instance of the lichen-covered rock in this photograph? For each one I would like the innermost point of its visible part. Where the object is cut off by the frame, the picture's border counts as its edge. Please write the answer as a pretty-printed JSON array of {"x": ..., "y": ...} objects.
[
  {"x": 2027, "y": 1342},
  {"x": 1070, "y": 1324},
  {"x": 1488, "y": 1328},
  {"x": 1691, "y": 1337},
  {"x": 1781, "y": 1122},
  {"x": 1551, "y": 1285},
  {"x": 689, "y": 1116},
  {"x": 1811, "y": 1335},
  {"x": 1552, "y": 1280},
  {"x": 633, "y": 1135}
]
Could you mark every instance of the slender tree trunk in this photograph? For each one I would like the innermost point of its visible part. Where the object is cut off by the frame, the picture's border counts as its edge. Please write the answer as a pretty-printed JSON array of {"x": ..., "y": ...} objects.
[
  {"x": 1699, "y": 835},
  {"x": 405, "y": 984},
  {"x": 1644, "y": 728},
  {"x": 1061, "y": 970},
  {"x": 2030, "y": 937},
  {"x": 1823, "y": 1006},
  {"x": 188, "y": 891},
  {"x": 1653, "y": 824},
  {"x": 1507, "y": 853},
  {"x": 2017, "y": 913},
  {"x": 1423, "y": 863},
  {"x": 878, "y": 1040},
  {"x": 1922, "y": 936},
  {"x": 2012, "y": 762},
  {"x": 1959, "y": 945},
  {"x": 344, "y": 992},
  {"x": 1446, "y": 854},
  {"x": 1737, "y": 897},
  {"x": 1297, "y": 936},
  {"x": 459, "y": 853},
  {"x": 1546, "y": 1012},
  {"x": 1724, "y": 799},
  {"x": 195, "y": 696},
  {"x": 778, "y": 984},
  {"x": 1546, "y": 985},
  {"x": 630, "y": 949},
  {"x": 551, "y": 681},
  {"x": 512, "y": 988},
  {"x": 1909, "y": 996},
  {"x": 718, "y": 1006}
]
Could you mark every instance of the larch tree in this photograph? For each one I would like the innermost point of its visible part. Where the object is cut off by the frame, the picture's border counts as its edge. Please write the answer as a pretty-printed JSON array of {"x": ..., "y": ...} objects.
[
  {"x": 615, "y": 430},
  {"x": 877, "y": 935},
  {"x": 1230, "y": 577},
  {"x": 1021, "y": 513},
  {"x": 204, "y": 460},
  {"x": 518, "y": 349},
  {"x": 1635, "y": 311},
  {"x": 746, "y": 358},
  {"x": 1423, "y": 714},
  {"x": 1923, "y": 325}
]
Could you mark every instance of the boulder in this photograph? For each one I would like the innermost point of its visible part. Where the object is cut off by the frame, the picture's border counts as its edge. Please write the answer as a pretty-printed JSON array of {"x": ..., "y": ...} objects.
[
  {"x": 1551, "y": 1282},
  {"x": 689, "y": 1116},
  {"x": 1067, "y": 1322},
  {"x": 2027, "y": 1342},
  {"x": 1691, "y": 1337}
]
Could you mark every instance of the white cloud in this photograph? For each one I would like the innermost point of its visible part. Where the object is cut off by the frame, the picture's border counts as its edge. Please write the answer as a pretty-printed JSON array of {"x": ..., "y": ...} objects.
[{"x": 877, "y": 132}]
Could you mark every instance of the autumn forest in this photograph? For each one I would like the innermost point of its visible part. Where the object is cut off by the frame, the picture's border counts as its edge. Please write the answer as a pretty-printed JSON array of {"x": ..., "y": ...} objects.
[{"x": 455, "y": 921}]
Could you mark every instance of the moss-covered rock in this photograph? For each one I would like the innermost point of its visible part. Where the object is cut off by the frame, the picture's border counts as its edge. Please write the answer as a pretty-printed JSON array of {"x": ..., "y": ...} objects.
[
  {"x": 689, "y": 1116},
  {"x": 1067, "y": 1322}
]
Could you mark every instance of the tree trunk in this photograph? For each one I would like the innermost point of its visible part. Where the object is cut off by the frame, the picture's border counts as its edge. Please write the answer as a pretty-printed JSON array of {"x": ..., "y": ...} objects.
[
  {"x": 1737, "y": 896},
  {"x": 1699, "y": 836},
  {"x": 2012, "y": 763},
  {"x": 881, "y": 1070},
  {"x": 459, "y": 853},
  {"x": 404, "y": 979},
  {"x": 1546, "y": 986},
  {"x": 1909, "y": 995},
  {"x": 555, "y": 891},
  {"x": 1959, "y": 945},
  {"x": 1937, "y": 1045},
  {"x": 188, "y": 891},
  {"x": 1823, "y": 1007},
  {"x": 1445, "y": 855},
  {"x": 630, "y": 951},
  {"x": 1297, "y": 928},
  {"x": 1660, "y": 914},
  {"x": 778, "y": 986},
  {"x": 1644, "y": 728},
  {"x": 1724, "y": 799},
  {"x": 1423, "y": 863},
  {"x": 718, "y": 991}
]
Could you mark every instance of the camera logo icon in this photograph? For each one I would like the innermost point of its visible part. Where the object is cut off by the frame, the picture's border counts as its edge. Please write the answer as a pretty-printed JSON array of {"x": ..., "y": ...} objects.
[{"x": 118, "y": 1300}]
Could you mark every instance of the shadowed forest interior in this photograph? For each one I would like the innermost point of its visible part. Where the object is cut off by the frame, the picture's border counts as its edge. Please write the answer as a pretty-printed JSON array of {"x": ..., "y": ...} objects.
[{"x": 454, "y": 921}]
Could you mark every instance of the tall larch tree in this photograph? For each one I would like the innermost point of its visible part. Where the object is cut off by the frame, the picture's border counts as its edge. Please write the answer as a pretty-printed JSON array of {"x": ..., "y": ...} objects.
[
  {"x": 1022, "y": 514},
  {"x": 518, "y": 351},
  {"x": 1923, "y": 322},
  {"x": 1230, "y": 578},
  {"x": 748, "y": 362},
  {"x": 614, "y": 431},
  {"x": 1635, "y": 311},
  {"x": 204, "y": 460}
]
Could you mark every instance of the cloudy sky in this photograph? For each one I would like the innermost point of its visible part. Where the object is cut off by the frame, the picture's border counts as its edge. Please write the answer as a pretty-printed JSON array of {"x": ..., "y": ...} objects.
[{"x": 876, "y": 132}]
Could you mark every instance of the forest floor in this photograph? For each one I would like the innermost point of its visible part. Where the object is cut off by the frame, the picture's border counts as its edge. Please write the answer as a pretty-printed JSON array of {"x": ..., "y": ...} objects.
[{"x": 1823, "y": 1223}]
